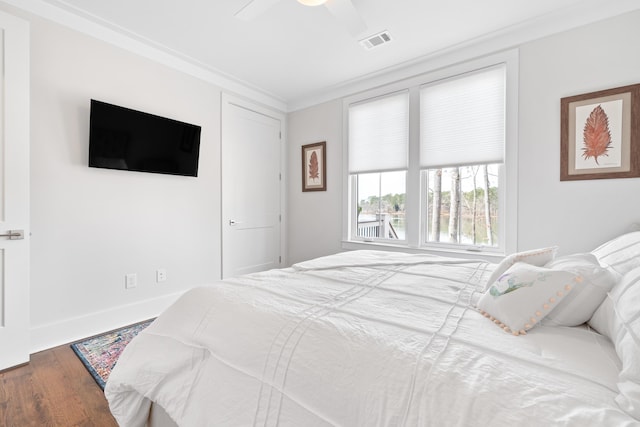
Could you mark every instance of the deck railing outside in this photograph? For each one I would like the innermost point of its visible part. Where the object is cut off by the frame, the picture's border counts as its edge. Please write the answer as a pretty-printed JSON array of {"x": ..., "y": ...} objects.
[{"x": 378, "y": 226}]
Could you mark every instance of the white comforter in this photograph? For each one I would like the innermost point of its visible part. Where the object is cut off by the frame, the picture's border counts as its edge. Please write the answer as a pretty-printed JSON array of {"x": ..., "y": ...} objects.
[{"x": 360, "y": 339}]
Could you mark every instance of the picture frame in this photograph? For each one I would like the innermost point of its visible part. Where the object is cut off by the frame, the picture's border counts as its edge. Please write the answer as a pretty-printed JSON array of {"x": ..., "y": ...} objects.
[
  {"x": 599, "y": 134},
  {"x": 314, "y": 166}
]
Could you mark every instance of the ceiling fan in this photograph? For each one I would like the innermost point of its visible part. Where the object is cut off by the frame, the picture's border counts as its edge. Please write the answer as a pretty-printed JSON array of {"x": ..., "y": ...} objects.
[{"x": 343, "y": 10}]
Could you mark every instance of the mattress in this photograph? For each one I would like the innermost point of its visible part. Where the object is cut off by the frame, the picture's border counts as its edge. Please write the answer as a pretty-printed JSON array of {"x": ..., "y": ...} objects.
[{"x": 363, "y": 338}]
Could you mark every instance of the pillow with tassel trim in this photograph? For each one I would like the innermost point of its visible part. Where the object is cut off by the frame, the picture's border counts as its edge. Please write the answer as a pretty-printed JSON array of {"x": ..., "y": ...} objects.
[{"x": 524, "y": 295}]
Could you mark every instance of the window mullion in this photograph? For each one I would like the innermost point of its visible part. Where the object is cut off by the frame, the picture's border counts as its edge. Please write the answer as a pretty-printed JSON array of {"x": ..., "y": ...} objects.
[{"x": 413, "y": 198}]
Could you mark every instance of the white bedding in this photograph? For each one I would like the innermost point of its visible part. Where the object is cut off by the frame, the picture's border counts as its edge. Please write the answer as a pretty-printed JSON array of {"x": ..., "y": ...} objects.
[{"x": 361, "y": 339}]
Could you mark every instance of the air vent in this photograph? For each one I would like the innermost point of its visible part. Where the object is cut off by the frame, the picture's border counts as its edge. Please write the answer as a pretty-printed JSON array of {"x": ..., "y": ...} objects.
[{"x": 376, "y": 40}]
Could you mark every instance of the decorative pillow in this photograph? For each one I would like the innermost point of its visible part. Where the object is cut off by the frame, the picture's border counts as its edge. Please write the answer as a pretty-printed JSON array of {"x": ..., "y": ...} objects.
[
  {"x": 618, "y": 317},
  {"x": 578, "y": 307},
  {"x": 621, "y": 254},
  {"x": 538, "y": 257},
  {"x": 524, "y": 295}
]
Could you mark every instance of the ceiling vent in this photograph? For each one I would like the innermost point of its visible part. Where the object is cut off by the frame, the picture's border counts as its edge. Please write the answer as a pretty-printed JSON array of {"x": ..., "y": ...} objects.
[{"x": 376, "y": 40}]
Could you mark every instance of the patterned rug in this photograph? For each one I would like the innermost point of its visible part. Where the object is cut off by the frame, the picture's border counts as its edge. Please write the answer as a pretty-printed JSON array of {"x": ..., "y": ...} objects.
[{"x": 100, "y": 353}]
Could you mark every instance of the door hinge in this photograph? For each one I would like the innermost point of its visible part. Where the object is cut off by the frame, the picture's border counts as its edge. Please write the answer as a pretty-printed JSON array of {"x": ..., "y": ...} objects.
[
  {"x": 280, "y": 260},
  {"x": 280, "y": 176},
  {"x": 280, "y": 218}
]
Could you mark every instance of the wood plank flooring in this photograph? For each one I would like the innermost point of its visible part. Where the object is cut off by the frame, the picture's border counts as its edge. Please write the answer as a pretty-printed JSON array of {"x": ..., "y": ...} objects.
[{"x": 55, "y": 389}]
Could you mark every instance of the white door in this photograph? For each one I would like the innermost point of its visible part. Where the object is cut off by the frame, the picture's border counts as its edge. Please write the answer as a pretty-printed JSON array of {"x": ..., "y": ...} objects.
[
  {"x": 251, "y": 188},
  {"x": 14, "y": 196}
]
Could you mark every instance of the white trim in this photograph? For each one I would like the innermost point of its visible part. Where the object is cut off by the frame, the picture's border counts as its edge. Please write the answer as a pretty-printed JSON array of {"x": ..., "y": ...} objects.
[
  {"x": 118, "y": 36},
  {"x": 508, "y": 182},
  {"x": 55, "y": 334},
  {"x": 510, "y": 211}
]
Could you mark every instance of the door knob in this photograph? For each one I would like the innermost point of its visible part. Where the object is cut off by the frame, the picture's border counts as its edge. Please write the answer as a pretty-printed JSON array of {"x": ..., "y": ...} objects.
[{"x": 14, "y": 234}]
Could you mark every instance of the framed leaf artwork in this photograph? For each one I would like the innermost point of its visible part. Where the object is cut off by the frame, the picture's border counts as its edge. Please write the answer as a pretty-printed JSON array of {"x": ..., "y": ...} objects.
[
  {"x": 599, "y": 134},
  {"x": 314, "y": 167}
]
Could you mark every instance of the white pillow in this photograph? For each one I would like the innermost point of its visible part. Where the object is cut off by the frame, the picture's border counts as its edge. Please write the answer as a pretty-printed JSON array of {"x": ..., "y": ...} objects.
[
  {"x": 524, "y": 295},
  {"x": 537, "y": 257},
  {"x": 618, "y": 317},
  {"x": 621, "y": 254},
  {"x": 588, "y": 293}
]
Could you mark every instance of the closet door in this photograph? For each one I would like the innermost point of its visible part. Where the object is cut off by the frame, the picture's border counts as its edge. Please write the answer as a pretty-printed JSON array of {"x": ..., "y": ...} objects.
[{"x": 251, "y": 188}]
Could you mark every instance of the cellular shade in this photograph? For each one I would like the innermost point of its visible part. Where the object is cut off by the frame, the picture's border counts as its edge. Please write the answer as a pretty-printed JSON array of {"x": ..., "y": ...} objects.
[
  {"x": 462, "y": 120},
  {"x": 379, "y": 134}
]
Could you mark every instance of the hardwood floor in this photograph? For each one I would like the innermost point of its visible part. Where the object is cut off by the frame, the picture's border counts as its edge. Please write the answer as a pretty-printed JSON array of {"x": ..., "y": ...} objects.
[{"x": 53, "y": 390}]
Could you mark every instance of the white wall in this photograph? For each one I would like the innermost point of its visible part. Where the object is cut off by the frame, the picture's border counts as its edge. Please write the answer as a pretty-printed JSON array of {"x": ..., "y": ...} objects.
[
  {"x": 92, "y": 226},
  {"x": 314, "y": 217},
  {"x": 576, "y": 215}
]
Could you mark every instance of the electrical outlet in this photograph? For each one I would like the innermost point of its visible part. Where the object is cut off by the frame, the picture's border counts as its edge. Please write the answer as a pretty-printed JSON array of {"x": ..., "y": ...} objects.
[
  {"x": 161, "y": 275},
  {"x": 130, "y": 280}
]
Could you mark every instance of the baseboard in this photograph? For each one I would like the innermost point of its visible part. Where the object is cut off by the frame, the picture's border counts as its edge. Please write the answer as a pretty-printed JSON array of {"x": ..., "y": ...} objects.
[{"x": 70, "y": 330}]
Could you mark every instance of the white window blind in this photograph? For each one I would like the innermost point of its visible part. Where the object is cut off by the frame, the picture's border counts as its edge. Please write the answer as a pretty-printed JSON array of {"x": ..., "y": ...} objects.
[
  {"x": 379, "y": 134},
  {"x": 462, "y": 120}
]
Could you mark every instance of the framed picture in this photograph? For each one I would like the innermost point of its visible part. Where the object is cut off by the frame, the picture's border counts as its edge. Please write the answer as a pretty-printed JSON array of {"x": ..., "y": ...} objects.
[
  {"x": 314, "y": 167},
  {"x": 599, "y": 134}
]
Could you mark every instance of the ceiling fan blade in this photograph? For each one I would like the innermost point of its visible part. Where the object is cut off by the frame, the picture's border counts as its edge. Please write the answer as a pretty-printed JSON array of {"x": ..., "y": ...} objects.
[
  {"x": 346, "y": 13},
  {"x": 254, "y": 8}
]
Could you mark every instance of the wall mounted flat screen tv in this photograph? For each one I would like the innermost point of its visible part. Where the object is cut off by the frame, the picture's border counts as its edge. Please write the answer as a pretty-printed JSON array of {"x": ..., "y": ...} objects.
[{"x": 122, "y": 138}]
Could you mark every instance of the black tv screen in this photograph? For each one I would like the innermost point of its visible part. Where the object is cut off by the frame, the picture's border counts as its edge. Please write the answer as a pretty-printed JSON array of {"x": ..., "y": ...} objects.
[{"x": 122, "y": 138}]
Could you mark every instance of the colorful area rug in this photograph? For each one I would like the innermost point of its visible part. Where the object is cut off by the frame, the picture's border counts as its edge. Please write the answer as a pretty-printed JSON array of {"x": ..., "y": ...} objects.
[{"x": 100, "y": 353}]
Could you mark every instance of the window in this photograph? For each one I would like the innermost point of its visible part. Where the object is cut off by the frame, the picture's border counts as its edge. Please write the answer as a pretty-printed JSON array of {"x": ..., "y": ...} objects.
[
  {"x": 462, "y": 205},
  {"x": 429, "y": 159},
  {"x": 378, "y": 161},
  {"x": 381, "y": 205},
  {"x": 462, "y": 134}
]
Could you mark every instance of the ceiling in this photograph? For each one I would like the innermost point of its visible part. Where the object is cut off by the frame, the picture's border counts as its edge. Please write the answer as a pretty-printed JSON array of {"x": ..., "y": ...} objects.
[{"x": 294, "y": 53}]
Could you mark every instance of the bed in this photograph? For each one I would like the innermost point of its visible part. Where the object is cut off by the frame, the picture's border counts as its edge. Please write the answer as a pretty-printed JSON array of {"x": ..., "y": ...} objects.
[{"x": 373, "y": 338}]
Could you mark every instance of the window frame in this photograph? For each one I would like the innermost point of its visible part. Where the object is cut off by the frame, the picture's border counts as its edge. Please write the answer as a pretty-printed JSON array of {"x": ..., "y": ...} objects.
[{"x": 415, "y": 202}]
